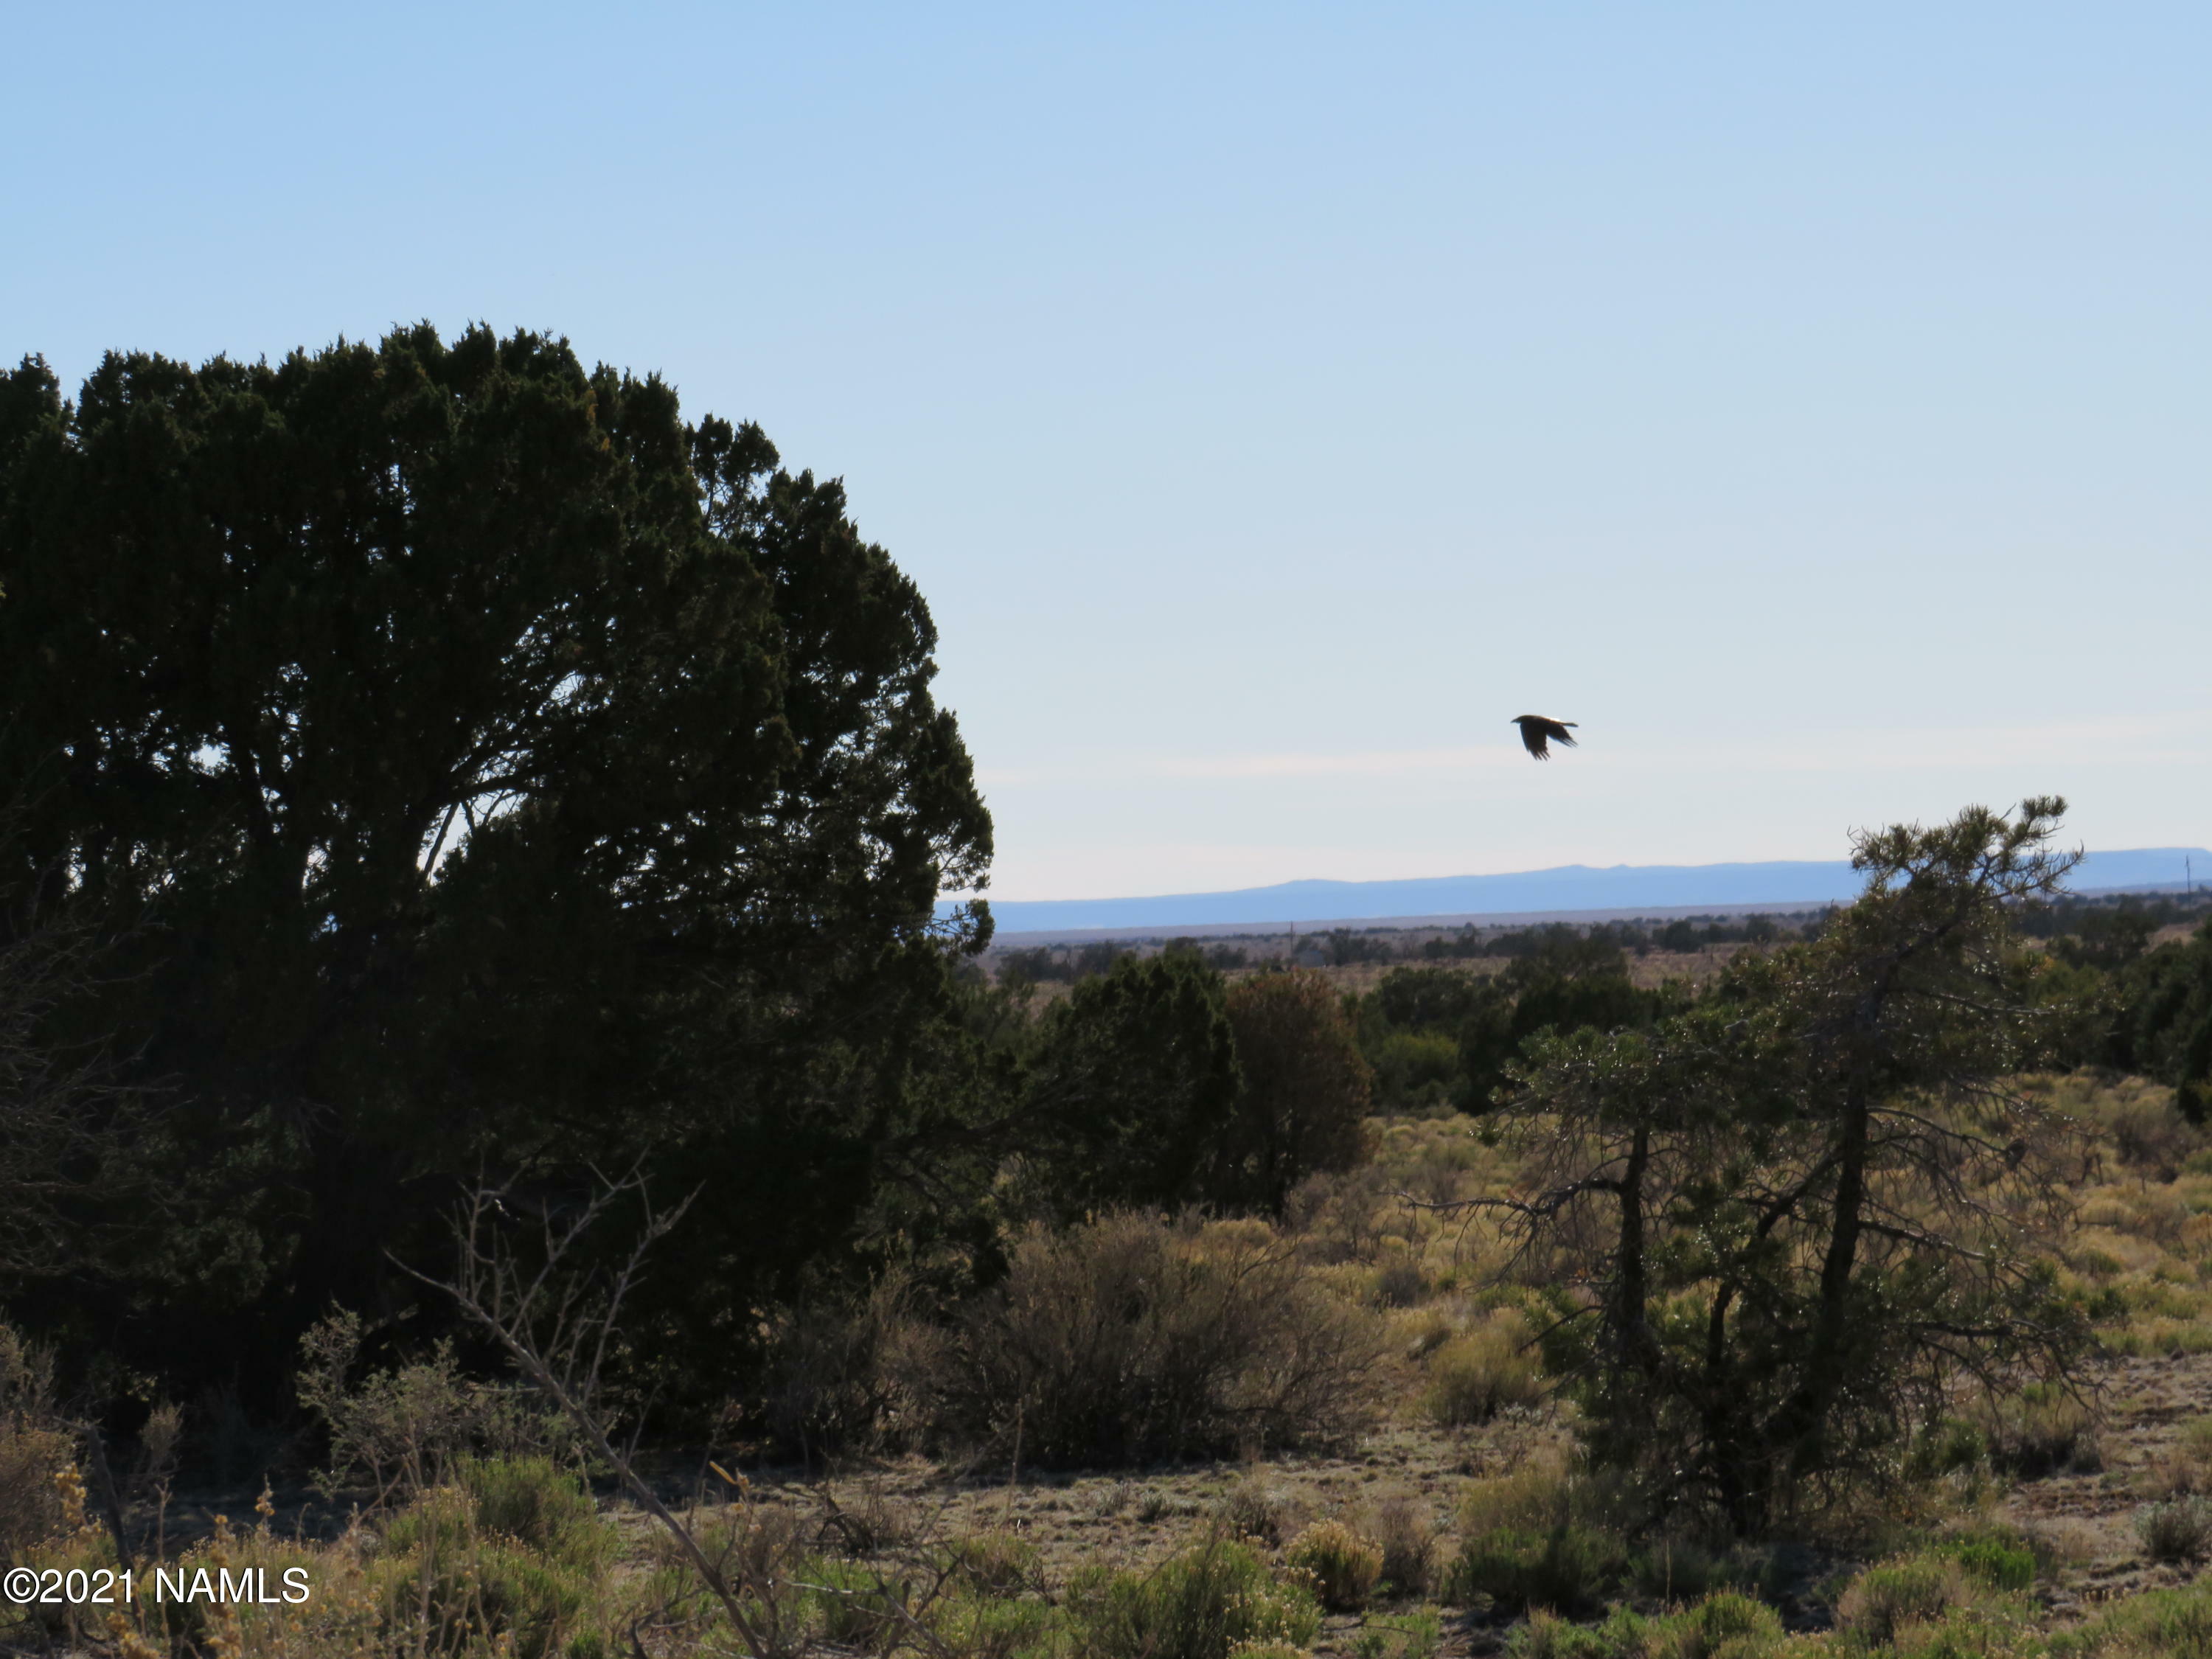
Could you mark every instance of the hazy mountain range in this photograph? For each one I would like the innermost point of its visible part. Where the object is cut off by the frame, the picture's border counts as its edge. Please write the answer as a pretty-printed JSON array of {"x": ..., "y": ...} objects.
[{"x": 1570, "y": 887}]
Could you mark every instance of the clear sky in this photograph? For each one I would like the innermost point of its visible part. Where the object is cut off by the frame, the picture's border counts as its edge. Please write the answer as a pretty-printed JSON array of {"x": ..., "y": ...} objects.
[{"x": 1814, "y": 402}]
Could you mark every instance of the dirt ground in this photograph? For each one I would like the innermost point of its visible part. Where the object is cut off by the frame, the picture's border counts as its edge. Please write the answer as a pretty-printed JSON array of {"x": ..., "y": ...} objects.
[{"x": 2091, "y": 1515}]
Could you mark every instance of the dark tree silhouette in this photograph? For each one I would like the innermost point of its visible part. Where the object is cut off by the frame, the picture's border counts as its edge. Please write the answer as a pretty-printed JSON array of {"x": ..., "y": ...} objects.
[{"x": 468, "y": 760}]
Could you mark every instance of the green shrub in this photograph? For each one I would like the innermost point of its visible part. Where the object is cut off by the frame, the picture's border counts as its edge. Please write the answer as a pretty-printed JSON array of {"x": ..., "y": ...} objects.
[
  {"x": 1536, "y": 1495},
  {"x": 1414, "y": 1635},
  {"x": 1947, "y": 1447},
  {"x": 1135, "y": 1340},
  {"x": 1199, "y": 1604},
  {"x": 1547, "y": 1636},
  {"x": 981, "y": 1626},
  {"x": 1253, "y": 1509},
  {"x": 2043, "y": 1429},
  {"x": 1886, "y": 1598},
  {"x": 451, "y": 1577},
  {"x": 2161, "y": 1624},
  {"x": 1475, "y": 1377},
  {"x": 850, "y": 1606},
  {"x": 538, "y": 1506},
  {"x": 1400, "y": 1282},
  {"x": 993, "y": 1563},
  {"x": 1408, "y": 1542},
  {"x": 2187, "y": 1468},
  {"x": 408, "y": 1428},
  {"x": 1569, "y": 1569},
  {"x": 2177, "y": 1530},
  {"x": 1727, "y": 1626},
  {"x": 1674, "y": 1570},
  {"x": 1414, "y": 1068},
  {"x": 2002, "y": 1559},
  {"x": 1969, "y": 1632},
  {"x": 1345, "y": 1566},
  {"x": 1726, "y": 1623}
]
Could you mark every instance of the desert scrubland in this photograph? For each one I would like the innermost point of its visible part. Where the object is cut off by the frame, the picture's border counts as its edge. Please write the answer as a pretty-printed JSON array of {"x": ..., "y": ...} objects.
[{"x": 501, "y": 1151}]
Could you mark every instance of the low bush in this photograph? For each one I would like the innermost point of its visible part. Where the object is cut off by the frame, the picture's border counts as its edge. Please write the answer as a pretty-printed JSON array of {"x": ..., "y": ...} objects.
[
  {"x": 1886, "y": 1598},
  {"x": 1204, "y": 1602},
  {"x": 1400, "y": 1281},
  {"x": 873, "y": 1521},
  {"x": 1475, "y": 1377},
  {"x": 1547, "y": 1636},
  {"x": 2045, "y": 1429},
  {"x": 2000, "y": 1631},
  {"x": 850, "y": 1607},
  {"x": 1408, "y": 1540},
  {"x": 1538, "y": 1494},
  {"x": 993, "y": 1563},
  {"x": 512, "y": 1550},
  {"x": 1724, "y": 1627},
  {"x": 844, "y": 1375},
  {"x": 1721, "y": 1627},
  {"x": 2187, "y": 1468},
  {"x": 1672, "y": 1569},
  {"x": 1130, "y": 1339},
  {"x": 996, "y": 1627},
  {"x": 768, "y": 1548},
  {"x": 1253, "y": 1509},
  {"x": 2161, "y": 1624},
  {"x": 407, "y": 1427},
  {"x": 1569, "y": 1569},
  {"x": 2179, "y": 1530},
  {"x": 541, "y": 1507},
  {"x": 1345, "y": 1566},
  {"x": 1414, "y": 1635},
  {"x": 1999, "y": 1558}
]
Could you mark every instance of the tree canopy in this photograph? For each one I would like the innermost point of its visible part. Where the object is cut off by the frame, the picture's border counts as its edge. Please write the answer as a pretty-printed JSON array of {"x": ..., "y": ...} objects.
[{"x": 459, "y": 754}]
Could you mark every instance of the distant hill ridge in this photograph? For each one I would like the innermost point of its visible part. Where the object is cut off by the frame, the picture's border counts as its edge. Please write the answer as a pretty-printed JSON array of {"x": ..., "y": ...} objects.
[{"x": 1568, "y": 887}]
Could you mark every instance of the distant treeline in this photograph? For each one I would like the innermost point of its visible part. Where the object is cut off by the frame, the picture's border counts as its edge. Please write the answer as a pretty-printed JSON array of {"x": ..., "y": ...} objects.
[
  {"x": 1439, "y": 1038},
  {"x": 1342, "y": 947},
  {"x": 2103, "y": 929}
]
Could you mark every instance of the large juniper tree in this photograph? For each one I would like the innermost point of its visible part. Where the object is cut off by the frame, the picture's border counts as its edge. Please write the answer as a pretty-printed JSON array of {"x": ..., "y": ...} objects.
[{"x": 472, "y": 764}]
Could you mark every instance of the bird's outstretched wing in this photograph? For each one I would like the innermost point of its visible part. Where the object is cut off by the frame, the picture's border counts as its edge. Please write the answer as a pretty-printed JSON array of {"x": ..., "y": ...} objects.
[{"x": 1538, "y": 730}]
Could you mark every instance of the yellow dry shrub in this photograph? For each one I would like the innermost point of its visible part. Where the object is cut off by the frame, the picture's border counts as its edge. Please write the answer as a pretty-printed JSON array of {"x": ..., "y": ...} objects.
[
  {"x": 1346, "y": 1567},
  {"x": 38, "y": 1462},
  {"x": 1531, "y": 1497},
  {"x": 1473, "y": 1377}
]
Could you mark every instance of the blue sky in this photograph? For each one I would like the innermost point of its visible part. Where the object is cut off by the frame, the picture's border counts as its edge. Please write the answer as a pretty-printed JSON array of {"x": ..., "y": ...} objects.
[{"x": 1813, "y": 402}]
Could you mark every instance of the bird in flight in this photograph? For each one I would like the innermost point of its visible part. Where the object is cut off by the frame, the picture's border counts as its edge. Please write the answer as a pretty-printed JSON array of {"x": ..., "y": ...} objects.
[{"x": 1536, "y": 730}]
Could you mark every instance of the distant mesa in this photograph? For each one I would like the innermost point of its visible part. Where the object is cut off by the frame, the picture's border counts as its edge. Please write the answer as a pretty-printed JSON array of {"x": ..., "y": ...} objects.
[{"x": 1571, "y": 887}]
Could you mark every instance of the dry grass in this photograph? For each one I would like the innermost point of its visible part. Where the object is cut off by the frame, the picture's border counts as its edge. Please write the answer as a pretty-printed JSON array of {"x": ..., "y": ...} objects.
[{"x": 37, "y": 1457}]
